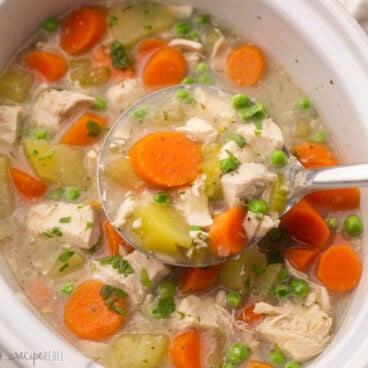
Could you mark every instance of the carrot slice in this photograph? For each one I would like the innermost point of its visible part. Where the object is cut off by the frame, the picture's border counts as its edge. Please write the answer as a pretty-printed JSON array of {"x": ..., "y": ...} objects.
[
  {"x": 305, "y": 224},
  {"x": 165, "y": 68},
  {"x": 102, "y": 58},
  {"x": 339, "y": 268},
  {"x": 246, "y": 65},
  {"x": 50, "y": 65},
  {"x": 254, "y": 364},
  {"x": 114, "y": 239},
  {"x": 87, "y": 315},
  {"x": 227, "y": 235},
  {"x": 166, "y": 159},
  {"x": 82, "y": 29},
  {"x": 185, "y": 350},
  {"x": 301, "y": 258},
  {"x": 248, "y": 315},
  {"x": 199, "y": 279},
  {"x": 27, "y": 184},
  {"x": 84, "y": 131},
  {"x": 314, "y": 155},
  {"x": 150, "y": 45}
]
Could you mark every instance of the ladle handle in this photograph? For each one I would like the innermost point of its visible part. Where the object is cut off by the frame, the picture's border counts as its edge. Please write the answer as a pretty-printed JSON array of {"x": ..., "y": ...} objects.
[{"x": 337, "y": 177}]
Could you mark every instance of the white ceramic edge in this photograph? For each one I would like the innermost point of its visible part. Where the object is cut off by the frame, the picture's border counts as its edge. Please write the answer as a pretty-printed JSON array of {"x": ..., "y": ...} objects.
[{"x": 27, "y": 333}]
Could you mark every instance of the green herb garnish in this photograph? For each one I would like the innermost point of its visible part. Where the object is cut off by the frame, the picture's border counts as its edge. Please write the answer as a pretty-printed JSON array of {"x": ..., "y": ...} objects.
[
  {"x": 119, "y": 56},
  {"x": 229, "y": 164},
  {"x": 145, "y": 280},
  {"x": 163, "y": 309},
  {"x": 67, "y": 289},
  {"x": 93, "y": 128},
  {"x": 120, "y": 265},
  {"x": 238, "y": 139},
  {"x": 112, "y": 295},
  {"x": 65, "y": 220}
]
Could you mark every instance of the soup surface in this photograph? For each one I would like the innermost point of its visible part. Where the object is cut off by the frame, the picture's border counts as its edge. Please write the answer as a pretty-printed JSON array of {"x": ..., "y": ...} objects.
[{"x": 278, "y": 303}]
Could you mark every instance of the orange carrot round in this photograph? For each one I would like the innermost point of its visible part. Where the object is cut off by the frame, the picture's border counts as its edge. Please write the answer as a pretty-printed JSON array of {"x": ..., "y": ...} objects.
[
  {"x": 246, "y": 65},
  {"x": 305, "y": 224},
  {"x": 301, "y": 259},
  {"x": 84, "y": 131},
  {"x": 114, "y": 239},
  {"x": 50, "y": 65},
  {"x": 185, "y": 350},
  {"x": 27, "y": 184},
  {"x": 82, "y": 29},
  {"x": 339, "y": 268},
  {"x": 254, "y": 364},
  {"x": 165, "y": 68},
  {"x": 248, "y": 315},
  {"x": 166, "y": 159},
  {"x": 199, "y": 279},
  {"x": 227, "y": 235},
  {"x": 87, "y": 315}
]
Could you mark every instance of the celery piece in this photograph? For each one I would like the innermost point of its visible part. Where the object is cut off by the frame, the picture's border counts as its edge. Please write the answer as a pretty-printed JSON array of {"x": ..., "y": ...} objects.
[
  {"x": 15, "y": 84},
  {"x": 278, "y": 196},
  {"x": 67, "y": 262},
  {"x": 162, "y": 228},
  {"x": 82, "y": 72},
  {"x": 237, "y": 274},
  {"x": 138, "y": 351},
  {"x": 137, "y": 20},
  {"x": 6, "y": 194},
  {"x": 266, "y": 281},
  {"x": 57, "y": 164},
  {"x": 303, "y": 128},
  {"x": 121, "y": 172}
]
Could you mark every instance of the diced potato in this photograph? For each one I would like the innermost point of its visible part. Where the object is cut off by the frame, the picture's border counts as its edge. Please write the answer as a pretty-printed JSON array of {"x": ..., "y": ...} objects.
[
  {"x": 59, "y": 164},
  {"x": 138, "y": 351},
  {"x": 238, "y": 274},
  {"x": 61, "y": 268},
  {"x": 139, "y": 20},
  {"x": 303, "y": 128},
  {"x": 161, "y": 228},
  {"x": 171, "y": 114},
  {"x": 6, "y": 194},
  {"x": 266, "y": 281},
  {"x": 82, "y": 72},
  {"x": 121, "y": 172},
  {"x": 15, "y": 84}
]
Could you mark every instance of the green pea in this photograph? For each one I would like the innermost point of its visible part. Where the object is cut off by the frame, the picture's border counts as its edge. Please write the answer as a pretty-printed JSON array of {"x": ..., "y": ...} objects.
[
  {"x": 193, "y": 35},
  {"x": 258, "y": 206},
  {"x": 234, "y": 299},
  {"x": 185, "y": 96},
  {"x": 332, "y": 223},
  {"x": 353, "y": 225},
  {"x": 292, "y": 364},
  {"x": 276, "y": 357},
  {"x": 161, "y": 198},
  {"x": 204, "y": 79},
  {"x": 283, "y": 275},
  {"x": 278, "y": 158},
  {"x": 188, "y": 80},
  {"x": 182, "y": 28},
  {"x": 239, "y": 101},
  {"x": 140, "y": 114},
  {"x": 237, "y": 353},
  {"x": 166, "y": 289},
  {"x": 229, "y": 365},
  {"x": 319, "y": 137},
  {"x": 50, "y": 25},
  {"x": 201, "y": 68},
  {"x": 202, "y": 19},
  {"x": 304, "y": 104},
  {"x": 299, "y": 287},
  {"x": 282, "y": 291},
  {"x": 100, "y": 103},
  {"x": 40, "y": 133}
]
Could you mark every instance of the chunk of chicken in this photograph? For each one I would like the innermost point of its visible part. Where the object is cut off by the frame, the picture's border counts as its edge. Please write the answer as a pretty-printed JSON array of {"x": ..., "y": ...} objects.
[
  {"x": 54, "y": 107},
  {"x": 300, "y": 331},
  {"x": 249, "y": 180},
  {"x": 199, "y": 129},
  {"x": 256, "y": 227},
  {"x": 75, "y": 224},
  {"x": 193, "y": 203},
  {"x": 10, "y": 120},
  {"x": 185, "y": 44},
  {"x": 193, "y": 311},
  {"x": 125, "y": 94},
  {"x": 132, "y": 282}
]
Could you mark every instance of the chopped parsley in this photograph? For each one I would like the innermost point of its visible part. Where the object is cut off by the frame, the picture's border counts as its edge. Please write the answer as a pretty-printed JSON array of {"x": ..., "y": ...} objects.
[
  {"x": 229, "y": 164},
  {"x": 67, "y": 289},
  {"x": 119, "y": 56},
  {"x": 94, "y": 129},
  {"x": 112, "y": 295},
  {"x": 163, "y": 309},
  {"x": 56, "y": 194},
  {"x": 238, "y": 139},
  {"x": 89, "y": 225},
  {"x": 145, "y": 280},
  {"x": 112, "y": 20},
  {"x": 72, "y": 194},
  {"x": 65, "y": 220},
  {"x": 47, "y": 155},
  {"x": 55, "y": 231},
  {"x": 120, "y": 265},
  {"x": 257, "y": 270},
  {"x": 66, "y": 255}
]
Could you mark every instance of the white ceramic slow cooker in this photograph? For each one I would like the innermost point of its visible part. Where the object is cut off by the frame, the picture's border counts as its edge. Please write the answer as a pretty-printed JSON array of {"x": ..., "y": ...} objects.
[{"x": 324, "y": 51}]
